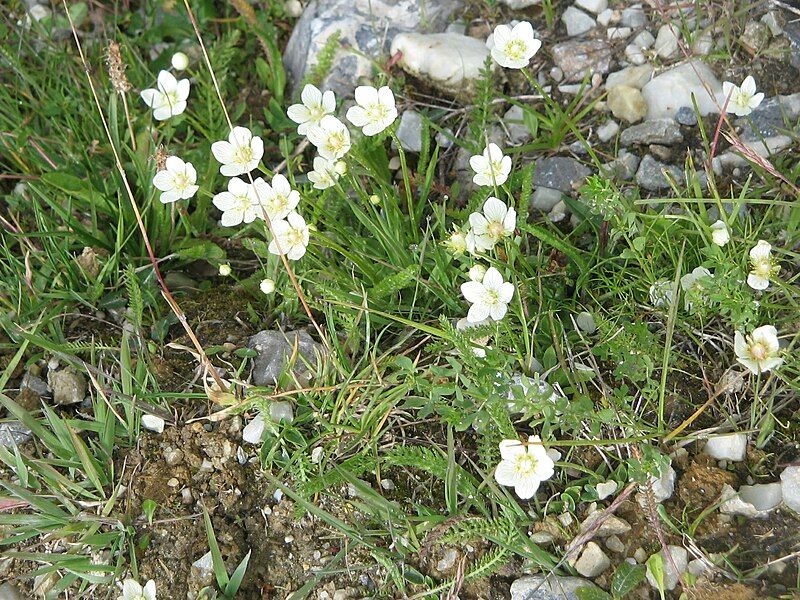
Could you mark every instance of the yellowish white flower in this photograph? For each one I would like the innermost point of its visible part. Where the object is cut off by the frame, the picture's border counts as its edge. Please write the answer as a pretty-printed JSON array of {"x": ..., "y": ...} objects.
[
  {"x": 224, "y": 270},
  {"x": 168, "y": 99},
  {"x": 662, "y": 293},
  {"x": 759, "y": 350},
  {"x": 742, "y": 99},
  {"x": 278, "y": 199},
  {"x": 693, "y": 285},
  {"x": 496, "y": 222},
  {"x": 719, "y": 233},
  {"x": 315, "y": 105},
  {"x": 239, "y": 204},
  {"x": 180, "y": 61},
  {"x": 374, "y": 111},
  {"x": 240, "y": 154},
  {"x": 132, "y": 590},
  {"x": 524, "y": 467},
  {"x": 491, "y": 168},
  {"x": 489, "y": 297},
  {"x": 331, "y": 138},
  {"x": 763, "y": 268},
  {"x": 326, "y": 172},
  {"x": 267, "y": 286},
  {"x": 477, "y": 272},
  {"x": 457, "y": 242},
  {"x": 176, "y": 181},
  {"x": 291, "y": 235},
  {"x": 513, "y": 47}
]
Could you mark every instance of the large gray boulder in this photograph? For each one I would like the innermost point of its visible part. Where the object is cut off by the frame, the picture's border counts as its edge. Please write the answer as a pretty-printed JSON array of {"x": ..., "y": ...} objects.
[{"x": 365, "y": 27}]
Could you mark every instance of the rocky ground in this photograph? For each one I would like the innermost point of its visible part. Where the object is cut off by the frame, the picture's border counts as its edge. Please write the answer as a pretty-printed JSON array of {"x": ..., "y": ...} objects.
[{"x": 647, "y": 82}]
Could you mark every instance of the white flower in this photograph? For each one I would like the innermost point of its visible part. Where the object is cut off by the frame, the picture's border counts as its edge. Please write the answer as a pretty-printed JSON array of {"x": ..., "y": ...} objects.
[
  {"x": 513, "y": 48},
  {"x": 662, "y": 293},
  {"x": 719, "y": 233},
  {"x": 180, "y": 61},
  {"x": 278, "y": 199},
  {"x": 759, "y": 350},
  {"x": 692, "y": 284},
  {"x": 491, "y": 168},
  {"x": 326, "y": 172},
  {"x": 267, "y": 286},
  {"x": 457, "y": 242},
  {"x": 169, "y": 99},
  {"x": 763, "y": 268},
  {"x": 292, "y": 236},
  {"x": 331, "y": 138},
  {"x": 176, "y": 181},
  {"x": 314, "y": 107},
  {"x": 224, "y": 270},
  {"x": 240, "y": 154},
  {"x": 374, "y": 111},
  {"x": 316, "y": 455},
  {"x": 131, "y": 590},
  {"x": 524, "y": 467},
  {"x": 489, "y": 298},
  {"x": 239, "y": 204},
  {"x": 742, "y": 100},
  {"x": 496, "y": 222},
  {"x": 477, "y": 272}
]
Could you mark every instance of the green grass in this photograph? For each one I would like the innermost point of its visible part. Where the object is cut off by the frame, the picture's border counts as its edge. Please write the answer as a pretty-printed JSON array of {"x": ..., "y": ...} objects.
[{"x": 401, "y": 393}]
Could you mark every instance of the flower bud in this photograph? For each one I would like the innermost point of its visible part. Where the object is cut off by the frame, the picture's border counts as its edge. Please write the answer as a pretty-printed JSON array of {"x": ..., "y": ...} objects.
[{"x": 180, "y": 61}]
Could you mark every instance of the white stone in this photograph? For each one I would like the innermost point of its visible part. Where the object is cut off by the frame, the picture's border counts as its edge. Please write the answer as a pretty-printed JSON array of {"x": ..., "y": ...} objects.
[
  {"x": 640, "y": 555},
  {"x": 577, "y": 22},
  {"x": 153, "y": 423},
  {"x": 409, "y": 132},
  {"x": 618, "y": 33},
  {"x": 644, "y": 40},
  {"x": 450, "y": 62},
  {"x": 605, "y": 17},
  {"x": 702, "y": 44},
  {"x": 664, "y": 486},
  {"x": 293, "y": 8},
  {"x": 594, "y": 6},
  {"x": 634, "y": 54},
  {"x": 254, "y": 430},
  {"x": 635, "y": 77},
  {"x": 754, "y": 501},
  {"x": 732, "y": 446},
  {"x": 605, "y": 489},
  {"x": 771, "y": 21},
  {"x": 39, "y": 12},
  {"x": 626, "y": 103},
  {"x": 607, "y": 130},
  {"x": 281, "y": 412},
  {"x": 518, "y": 4},
  {"x": 667, "y": 40},
  {"x": 675, "y": 88},
  {"x": 698, "y": 566},
  {"x": 615, "y": 544},
  {"x": 672, "y": 572},
  {"x": 634, "y": 17},
  {"x": 790, "y": 487},
  {"x": 592, "y": 561}
]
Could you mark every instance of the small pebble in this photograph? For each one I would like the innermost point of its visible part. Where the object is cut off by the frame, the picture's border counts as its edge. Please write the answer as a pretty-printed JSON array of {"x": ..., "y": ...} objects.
[{"x": 173, "y": 482}]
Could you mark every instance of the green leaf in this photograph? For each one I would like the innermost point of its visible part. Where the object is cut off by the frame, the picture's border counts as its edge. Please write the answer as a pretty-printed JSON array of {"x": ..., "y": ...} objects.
[
  {"x": 72, "y": 185},
  {"x": 626, "y": 577},
  {"x": 257, "y": 247},
  {"x": 655, "y": 565},
  {"x": 200, "y": 249},
  {"x": 592, "y": 593}
]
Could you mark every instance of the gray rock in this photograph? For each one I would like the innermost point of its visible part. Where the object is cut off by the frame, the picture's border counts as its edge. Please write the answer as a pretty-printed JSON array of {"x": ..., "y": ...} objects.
[
  {"x": 559, "y": 212},
  {"x": 635, "y": 51},
  {"x": 615, "y": 34},
  {"x": 592, "y": 561},
  {"x": 68, "y": 387},
  {"x": 771, "y": 118},
  {"x": 450, "y": 62},
  {"x": 667, "y": 40},
  {"x": 409, "y": 132},
  {"x": 651, "y": 174},
  {"x": 366, "y": 26},
  {"x": 607, "y": 130},
  {"x": 673, "y": 569},
  {"x": 792, "y": 32},
  {"x": 518, "y": 4},
  {"x": 592, "y": 6},
  {"x": 675, "y": 88},
  {"x": 275, "y": 349},
  {"x": 634, "y": 17},
  {"x": 774, "y": 21},
  {"x": 623, "y": 167},
  {"x": 559, "y": 173},
  {"x": 659, "y": 131},
  {"x": 518, "y": 131},
  {"x": 615, "y": 544},
  {"x": 755, "y": 36},
  {"x": 545, "y": 199},
  {"x": 577, "y": 22},
  {"x": 790, "y": 487},
  {"x": 281, "y": 411},
  {"x": 686, "y": 116},
  {"x": 8, "y": 591},
  {"x": 34, "y": 384},
  {"x": 611, "y": 525},
  {"x": 578, "y": 60},
  {"x": 551, "y": 587},
  {"x": 13, "y": 433},
  {"x": 634, "y": 76}
]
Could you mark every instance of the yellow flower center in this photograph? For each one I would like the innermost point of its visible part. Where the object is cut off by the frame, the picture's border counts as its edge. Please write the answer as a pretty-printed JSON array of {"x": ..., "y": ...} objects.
[
  {"x": 525, "y": 465},
  {"x": 759, "y": 351},
  {"x": 243, "y": 155},
  {"x": 295, "y": 237},
  {"x": 181, "y": 181},
  {"x": 491, "y": 297},
  {"x": 515, "y": 49},
  {"x": 495, "y": 230},
  {"x": 172, "y": 98},
  {"x": 336, "y": 142},
  {"x": 762, "y": 267},
  {"x": 377, "y": 112},
  {"x": 242, "y": 203}
]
